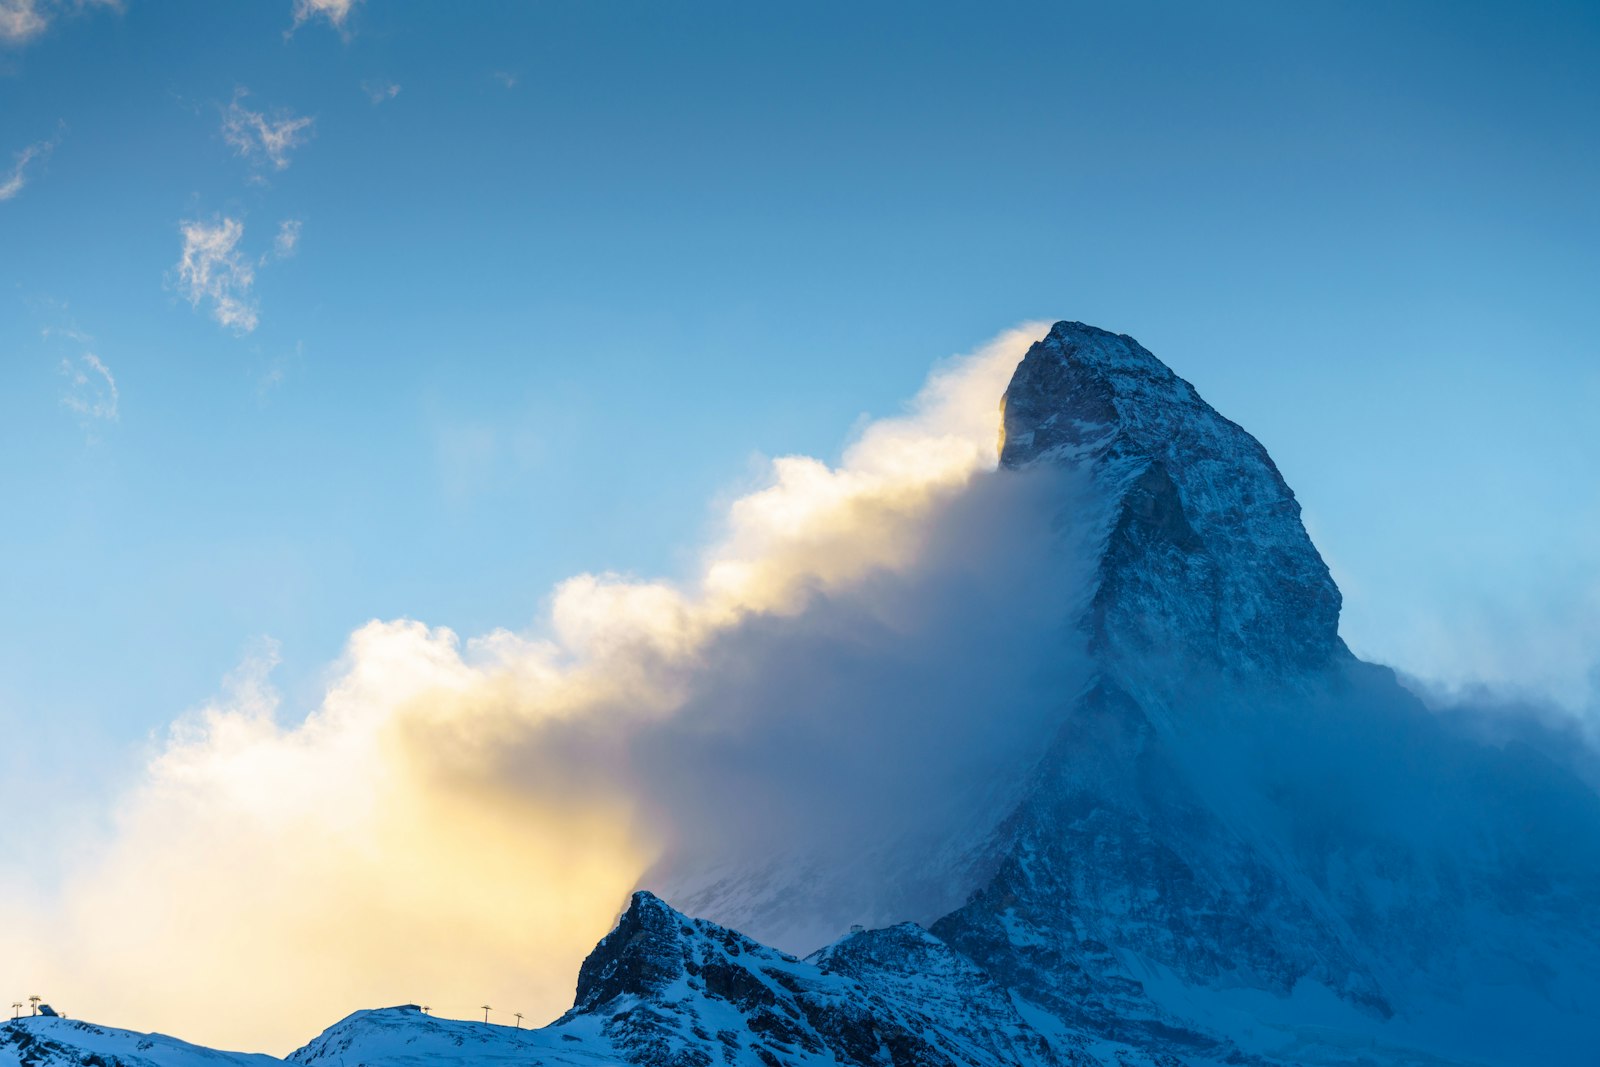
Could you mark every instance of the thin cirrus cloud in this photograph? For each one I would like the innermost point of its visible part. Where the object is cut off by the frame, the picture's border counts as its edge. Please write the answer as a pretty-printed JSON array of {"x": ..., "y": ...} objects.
[
  {"x": 381, "y": 91},
  {"x": 14, "y": 180},
  {"x": 336, "y": 12},
  {"x": 263, "y": 139},
  {"x": 21, "y": 21},
  {"x": 214, "y": 271},
  {"x": 91, "y": 388},
  {"x": 287, "y": 241}
]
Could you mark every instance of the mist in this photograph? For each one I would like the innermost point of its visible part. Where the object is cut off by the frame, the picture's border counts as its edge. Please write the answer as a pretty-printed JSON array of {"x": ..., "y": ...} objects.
[
  {"x": 864, "y": 748},
  {"x": 866, "y": 651}
]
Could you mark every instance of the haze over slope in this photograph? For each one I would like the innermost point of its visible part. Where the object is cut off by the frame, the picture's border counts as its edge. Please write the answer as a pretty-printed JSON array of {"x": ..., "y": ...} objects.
[{"x": 460, "y": 820}]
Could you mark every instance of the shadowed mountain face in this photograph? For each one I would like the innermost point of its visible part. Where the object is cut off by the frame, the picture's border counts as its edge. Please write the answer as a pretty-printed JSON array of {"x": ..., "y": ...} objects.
[
  {"x": 1206, "y": 562},
  {"x": 1212, "y": 603},
  {"x": 736, "y": 1001},
  {"x": 1235, "y": 843},
  {"x": 1238, "y": 805}
]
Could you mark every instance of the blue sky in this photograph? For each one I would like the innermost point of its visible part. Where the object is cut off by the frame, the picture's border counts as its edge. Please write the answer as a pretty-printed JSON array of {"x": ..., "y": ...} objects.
[{"x": 561, "y": 272}]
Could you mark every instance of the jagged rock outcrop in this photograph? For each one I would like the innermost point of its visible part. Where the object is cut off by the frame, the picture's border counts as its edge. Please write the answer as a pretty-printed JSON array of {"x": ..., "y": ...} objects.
[
  {"x": 1206, "y": 561},
  {"x": 680, "y": 992},
  {"x": 947, "y": 996},
  {"x": 671, "y": 991}
]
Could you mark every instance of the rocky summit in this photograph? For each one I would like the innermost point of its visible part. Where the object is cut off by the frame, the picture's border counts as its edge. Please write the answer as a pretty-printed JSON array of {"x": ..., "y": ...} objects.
[
  {"x": 1205, "y": 561},
  {"x": 1240, "y": 844}
]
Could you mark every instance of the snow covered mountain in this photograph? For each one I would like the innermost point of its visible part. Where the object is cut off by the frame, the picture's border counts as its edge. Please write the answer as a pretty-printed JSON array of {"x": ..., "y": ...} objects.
[
  {"x": 1240, "y": 844},
  {"x": 1240, "y": 807},
  {"x": 665, "y": 990},
  {"x": 45, "y": 1041}
]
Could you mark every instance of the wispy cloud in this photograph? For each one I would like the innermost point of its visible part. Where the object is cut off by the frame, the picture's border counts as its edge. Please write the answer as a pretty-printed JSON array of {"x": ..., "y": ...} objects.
[
  {"x": 262, "y": 139},
  {"x": 215, "y": 271},
  {"x": 335, "y": 11},
  {"x": 23, "y": 20},
  {"x": 380, "y": 91},
  {"x": 13, "y": 180},
  {"x": 506, "y": 78},
  {"x": 91, "y": 388},
  {"x": 277, "y": 371},
  {"x": 288, "y": 240}
]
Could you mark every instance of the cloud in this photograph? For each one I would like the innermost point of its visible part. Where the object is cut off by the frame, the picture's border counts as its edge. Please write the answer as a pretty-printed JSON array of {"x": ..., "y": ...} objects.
[
  {"x": 13, "y": 181},
  {"x": 506, "y": 78},
  {"x": 277, "y": 371},
  {"x": 91, "y": 389},
  {"x": 1527, "y": 636},
  {"x": 22, "y": 21},
  {"x": 459, "y": 819},
  {"x": 260, "y": 139},
  {"x": 287, "y": 241},
  {"x": 380, "y": 91},
  {"x": 213, "y": 269},
  {"x": 335, "y": 11}
]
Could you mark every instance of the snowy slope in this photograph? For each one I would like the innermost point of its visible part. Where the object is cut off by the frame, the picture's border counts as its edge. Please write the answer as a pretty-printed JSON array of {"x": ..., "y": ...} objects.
[
  {"x": 405, "y": 1037},
  {"x": 38, "y": 1041}
]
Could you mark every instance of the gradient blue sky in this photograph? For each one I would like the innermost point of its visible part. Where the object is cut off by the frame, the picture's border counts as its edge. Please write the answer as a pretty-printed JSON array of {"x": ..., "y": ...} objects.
[{"x": 552, "y": 295}]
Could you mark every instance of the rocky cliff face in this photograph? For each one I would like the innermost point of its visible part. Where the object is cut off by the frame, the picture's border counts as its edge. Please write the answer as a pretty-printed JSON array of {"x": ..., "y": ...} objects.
[
  {"x": 1210, "y": 594},
  {"x": 1206, "y": 561},
  {"x": 1238, "y": 804},
  {"x": 671, "y": 991}
]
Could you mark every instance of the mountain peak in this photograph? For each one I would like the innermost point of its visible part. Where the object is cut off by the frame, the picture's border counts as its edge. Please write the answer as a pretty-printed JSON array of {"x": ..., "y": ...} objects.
[
  {"x": 641, "y": 956},
  {"x": 1205, "y": 558},
  {"x": 665, "y": 990}
]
